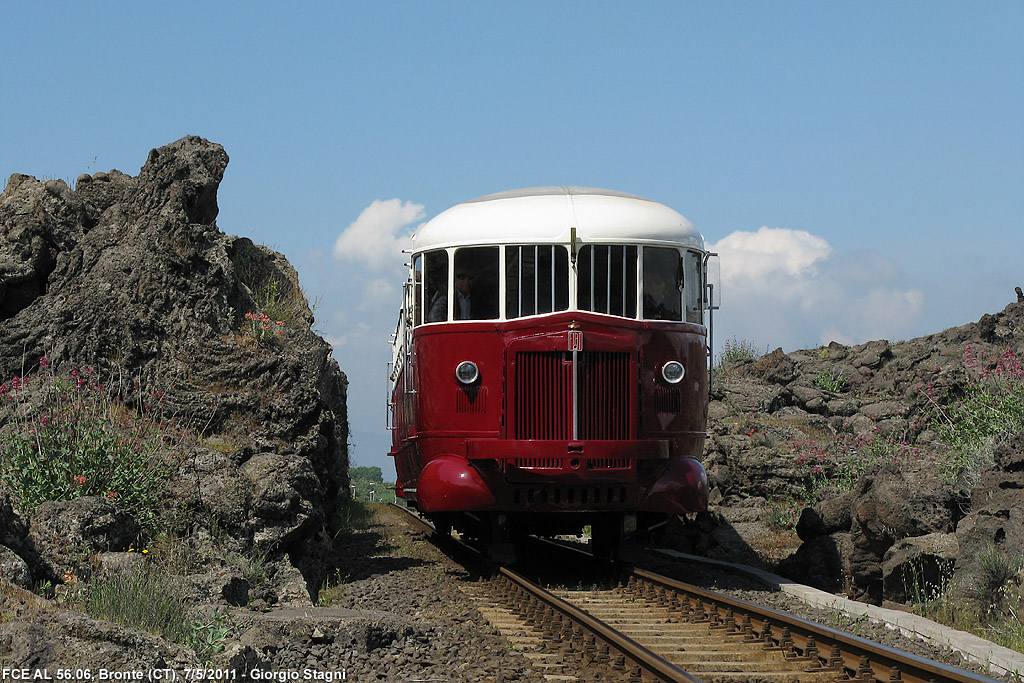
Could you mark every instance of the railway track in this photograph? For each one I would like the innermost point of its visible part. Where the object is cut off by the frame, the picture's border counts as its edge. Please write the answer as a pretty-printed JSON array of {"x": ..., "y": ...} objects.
[{"x": 646, "y": 627}]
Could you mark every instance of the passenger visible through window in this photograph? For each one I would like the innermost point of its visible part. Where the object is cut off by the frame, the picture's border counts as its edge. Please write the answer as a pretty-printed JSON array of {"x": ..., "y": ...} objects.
[
  {"x": 663, "y": 280},
  {"x": 476, "y": 279}
]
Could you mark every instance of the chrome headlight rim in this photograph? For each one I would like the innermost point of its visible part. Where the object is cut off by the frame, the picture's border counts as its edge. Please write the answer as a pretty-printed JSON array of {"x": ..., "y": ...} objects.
[
  {"x": 673, "y": 372},
  {"x": 467, "y": 372}
]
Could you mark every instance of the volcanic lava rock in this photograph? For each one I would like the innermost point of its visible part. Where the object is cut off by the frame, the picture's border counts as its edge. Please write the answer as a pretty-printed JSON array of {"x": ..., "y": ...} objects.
[{"x": 131, "y": 278}]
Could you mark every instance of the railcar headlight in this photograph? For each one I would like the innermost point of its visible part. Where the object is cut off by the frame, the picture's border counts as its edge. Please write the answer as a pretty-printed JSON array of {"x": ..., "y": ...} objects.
[
  {"x": 673, "y": 372},
  {"x": 467, "y": 372}
]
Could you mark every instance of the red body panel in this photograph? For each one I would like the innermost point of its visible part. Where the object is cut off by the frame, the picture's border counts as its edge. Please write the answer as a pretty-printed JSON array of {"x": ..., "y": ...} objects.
[{"x": 521, "y": 439}]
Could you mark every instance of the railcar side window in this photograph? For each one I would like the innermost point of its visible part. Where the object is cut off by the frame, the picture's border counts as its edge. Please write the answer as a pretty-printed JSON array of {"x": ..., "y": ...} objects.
[
  {"x": 607, "y": 279},
  {"x": 536, "y": 280},
  {"x": 693, "y": 286},
  {"x": 663, "y": 281},
  {"x": 476, "y": 283},
  {"x": 435, "y": 286}
]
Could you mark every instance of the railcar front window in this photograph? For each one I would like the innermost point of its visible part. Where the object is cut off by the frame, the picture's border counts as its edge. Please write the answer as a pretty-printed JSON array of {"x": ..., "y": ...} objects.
[
  {"x": 536, "y": 280},
  {"x": 607, "y": 279},
  {"x": 663, "y": 281},
  {"x": 476, "y": 283},
  {"x": 435, "y": 286}
]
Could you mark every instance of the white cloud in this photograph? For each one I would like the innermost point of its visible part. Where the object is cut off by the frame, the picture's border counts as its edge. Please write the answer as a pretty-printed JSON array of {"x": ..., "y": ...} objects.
[
  {"x": 772, "y": 250},
  {"x": 376, "y": 238},
  {"x": 790, "y": 288}
]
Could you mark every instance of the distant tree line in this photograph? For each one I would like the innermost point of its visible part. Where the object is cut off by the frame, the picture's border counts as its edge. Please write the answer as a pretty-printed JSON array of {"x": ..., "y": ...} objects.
[{"x": 367, "y": 480}]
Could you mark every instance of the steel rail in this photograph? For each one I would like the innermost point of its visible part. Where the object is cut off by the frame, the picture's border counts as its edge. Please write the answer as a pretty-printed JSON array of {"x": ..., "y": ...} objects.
[
  {"x": 648, "y": 661},
  {"x": 884, "y": 660}
]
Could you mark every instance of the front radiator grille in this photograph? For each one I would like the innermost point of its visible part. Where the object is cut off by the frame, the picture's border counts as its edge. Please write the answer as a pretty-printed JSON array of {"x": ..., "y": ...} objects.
[
  {"x": 543, "y": 388},
  {"x": 544, "y": 395}
]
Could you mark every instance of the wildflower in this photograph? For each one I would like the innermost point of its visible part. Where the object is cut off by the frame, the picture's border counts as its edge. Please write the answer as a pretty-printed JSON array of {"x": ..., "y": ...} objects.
[
  {"x": 112, "y": 495},
  {"x": 44, "y": 362},
  {"x": 751, "y": 432},
  {"x": 816, "y": 470},
  {"x": 79, "y": 480},
  {"x": 69, "y": 578}
]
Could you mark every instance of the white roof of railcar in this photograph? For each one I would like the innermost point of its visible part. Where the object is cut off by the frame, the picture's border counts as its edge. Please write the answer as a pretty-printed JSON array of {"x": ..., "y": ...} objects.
[{"x": 545, "y": 215}]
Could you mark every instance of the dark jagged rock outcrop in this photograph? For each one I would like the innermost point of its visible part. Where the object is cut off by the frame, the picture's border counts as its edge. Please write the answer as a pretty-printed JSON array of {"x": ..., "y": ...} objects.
[
  {"x": 130, "y": 276},
  {"x": 777, "y": 422}
]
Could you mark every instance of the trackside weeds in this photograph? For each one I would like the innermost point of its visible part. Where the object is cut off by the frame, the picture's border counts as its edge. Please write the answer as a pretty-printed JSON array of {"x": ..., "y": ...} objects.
[{"x": 67, "y": 435}]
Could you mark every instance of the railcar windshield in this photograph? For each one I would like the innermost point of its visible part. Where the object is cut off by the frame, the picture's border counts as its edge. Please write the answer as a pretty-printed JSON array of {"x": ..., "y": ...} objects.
[{"x": 649, "y": 282}]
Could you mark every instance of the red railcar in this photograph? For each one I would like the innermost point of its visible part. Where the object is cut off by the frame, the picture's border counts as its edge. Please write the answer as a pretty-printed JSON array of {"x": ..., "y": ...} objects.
[{"x": 551, "y": 366}]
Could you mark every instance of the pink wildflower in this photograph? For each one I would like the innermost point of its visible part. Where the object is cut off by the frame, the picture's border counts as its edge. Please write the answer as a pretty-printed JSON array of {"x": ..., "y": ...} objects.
[{"x": 79, "y": 480}]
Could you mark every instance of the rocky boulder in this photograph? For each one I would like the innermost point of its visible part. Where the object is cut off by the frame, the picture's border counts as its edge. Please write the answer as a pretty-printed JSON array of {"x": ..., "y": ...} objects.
[
  {"x": 890, "y": 506},
  {"x": 66, "y": 533},
  {"x": 919, "y": 568},
  {"x": 131, "y": 278},
  {"x": 62, "y": 638}
]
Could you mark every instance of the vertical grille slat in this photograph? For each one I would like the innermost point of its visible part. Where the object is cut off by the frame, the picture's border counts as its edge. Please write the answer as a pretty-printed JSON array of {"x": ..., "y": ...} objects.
[{"x": 544, "y": 395}]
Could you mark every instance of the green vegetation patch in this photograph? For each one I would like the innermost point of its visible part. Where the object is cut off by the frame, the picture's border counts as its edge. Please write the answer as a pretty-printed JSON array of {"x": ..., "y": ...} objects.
[{"x": 67, "y": 436}]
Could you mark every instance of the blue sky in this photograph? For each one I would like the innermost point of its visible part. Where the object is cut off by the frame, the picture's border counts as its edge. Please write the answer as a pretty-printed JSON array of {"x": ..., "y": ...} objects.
[{"x": 859, "y": 165}]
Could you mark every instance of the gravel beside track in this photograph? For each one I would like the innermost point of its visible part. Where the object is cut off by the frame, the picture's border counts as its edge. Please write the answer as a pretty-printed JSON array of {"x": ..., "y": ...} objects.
[{"x": 416, "y": 621}]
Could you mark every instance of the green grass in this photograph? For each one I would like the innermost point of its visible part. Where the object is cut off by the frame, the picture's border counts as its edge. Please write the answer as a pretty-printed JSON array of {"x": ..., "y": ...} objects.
[
  {"x": 147, "y": 599},
  {"x": 833, "y": 381},
  {"x": 733, "y": 350},
  {"x": 141, "y": 599}
]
